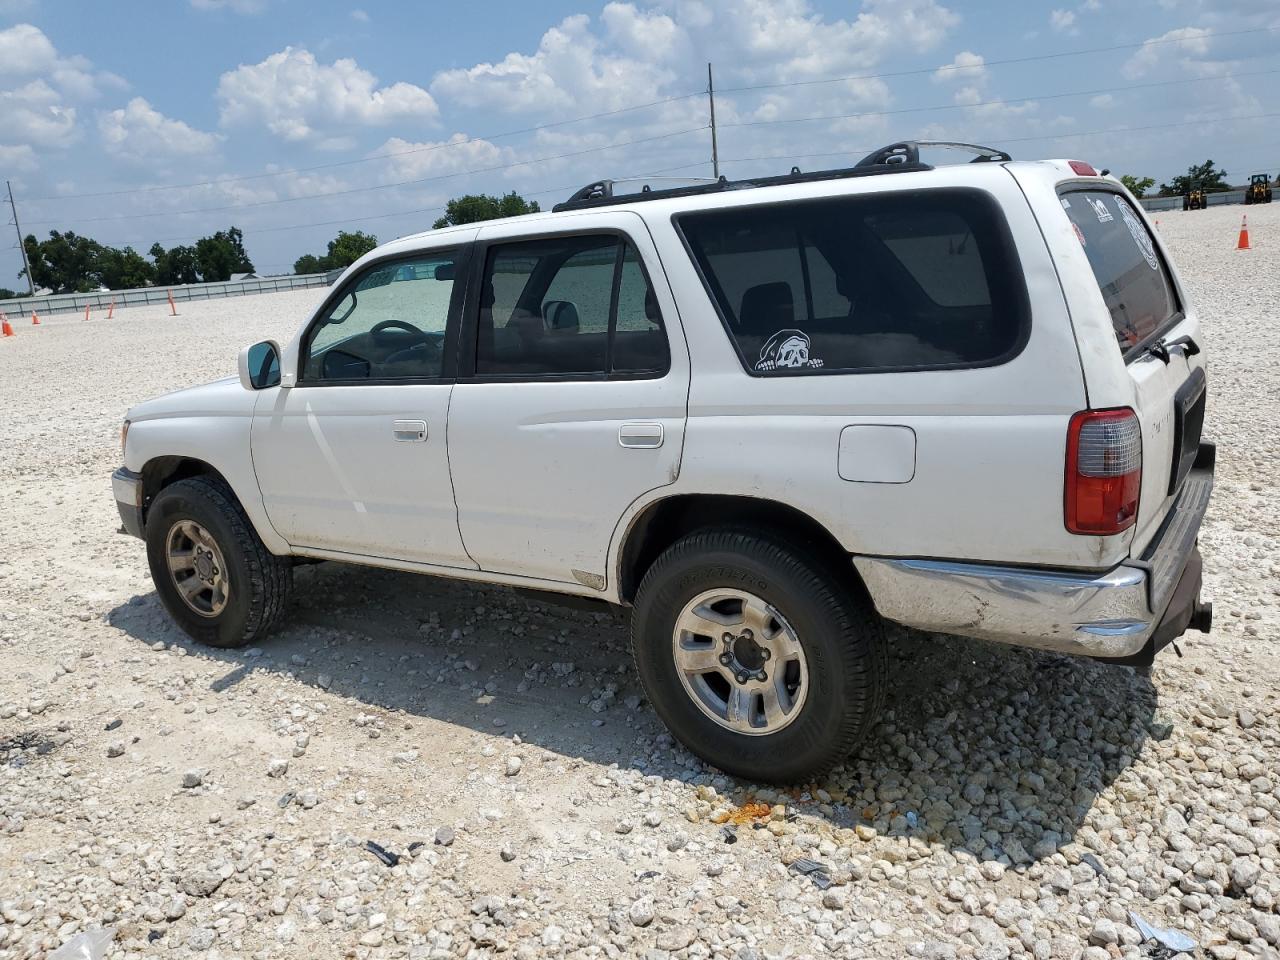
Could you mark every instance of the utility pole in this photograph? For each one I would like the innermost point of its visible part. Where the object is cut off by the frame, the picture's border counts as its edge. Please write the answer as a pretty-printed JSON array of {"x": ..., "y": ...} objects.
[
  {"x": 31, "y": 284},
  {"x": 715, "y": 153}
]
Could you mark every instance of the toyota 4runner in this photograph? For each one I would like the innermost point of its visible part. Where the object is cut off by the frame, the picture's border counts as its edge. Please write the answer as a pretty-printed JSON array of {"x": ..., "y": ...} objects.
[{"x": 766, "y": 415}]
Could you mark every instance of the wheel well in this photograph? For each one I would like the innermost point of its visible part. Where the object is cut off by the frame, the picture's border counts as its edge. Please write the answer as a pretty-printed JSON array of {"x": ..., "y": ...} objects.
[
  {"x": 663, "y": 523},
  {"x": 160, "y": 472}
]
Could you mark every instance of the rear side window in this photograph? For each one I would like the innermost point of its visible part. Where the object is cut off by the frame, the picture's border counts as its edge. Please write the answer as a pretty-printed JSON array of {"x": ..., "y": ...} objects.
[
  {"x": 1125, "y": 262},
  {"x": 881, "y": 282},
  {"x": 569, "y": 306}
]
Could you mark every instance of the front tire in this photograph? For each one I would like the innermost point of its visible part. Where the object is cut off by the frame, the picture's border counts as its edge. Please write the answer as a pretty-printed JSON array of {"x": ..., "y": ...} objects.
[
  {"x": 756, "y": 656},
  {"x": 212, "y": 572}
]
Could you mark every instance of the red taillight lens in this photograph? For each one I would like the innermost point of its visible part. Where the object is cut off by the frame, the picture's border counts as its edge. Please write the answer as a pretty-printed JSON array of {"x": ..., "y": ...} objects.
[
  {"x": 1082, "y": 168},
  {"x": 1104, "y": 471}
]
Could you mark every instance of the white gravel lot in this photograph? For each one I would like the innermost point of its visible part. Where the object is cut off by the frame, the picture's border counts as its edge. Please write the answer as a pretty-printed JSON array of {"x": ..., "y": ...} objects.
[{"x": 215, "y": 803}]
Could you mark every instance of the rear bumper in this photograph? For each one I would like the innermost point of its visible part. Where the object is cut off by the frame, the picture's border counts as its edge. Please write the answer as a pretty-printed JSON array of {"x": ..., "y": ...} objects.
[
  {"x": 1127, "y": 613},
  {"x": 127, "y": 487}
]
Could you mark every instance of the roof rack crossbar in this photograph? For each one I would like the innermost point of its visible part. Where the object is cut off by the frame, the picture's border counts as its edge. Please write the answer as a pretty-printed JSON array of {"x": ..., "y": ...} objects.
[{"x": 901, "y": 157}]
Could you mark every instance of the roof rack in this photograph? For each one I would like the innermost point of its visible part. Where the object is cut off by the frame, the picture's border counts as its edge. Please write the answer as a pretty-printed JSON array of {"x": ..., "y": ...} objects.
[{"x": 901, "y": 157}]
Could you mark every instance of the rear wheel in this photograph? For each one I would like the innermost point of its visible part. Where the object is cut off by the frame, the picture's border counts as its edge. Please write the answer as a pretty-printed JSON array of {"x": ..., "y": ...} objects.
[
  {"x": 756, "y": 656},
  {"x": 210, "y": 568}
]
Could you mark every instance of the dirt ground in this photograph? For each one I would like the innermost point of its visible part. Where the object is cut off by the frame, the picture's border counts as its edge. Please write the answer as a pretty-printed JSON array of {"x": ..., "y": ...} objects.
[{"x": 213, "y": 803}]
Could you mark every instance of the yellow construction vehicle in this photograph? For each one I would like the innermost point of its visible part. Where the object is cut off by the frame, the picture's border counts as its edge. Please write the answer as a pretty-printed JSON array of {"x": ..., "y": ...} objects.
[
  {"x": 1195, "y": 198},
  {"x": 1259, "y": 189}
]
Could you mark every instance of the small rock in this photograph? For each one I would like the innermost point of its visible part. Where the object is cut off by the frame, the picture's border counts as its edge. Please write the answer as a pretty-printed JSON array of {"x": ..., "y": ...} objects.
[
  {"x": 115, "y": 748},
  {"x": 192, "y": 779},
  {"x": 513, "y": 766},
  {"x": 278, "y": 767},
  {"x": 641, "y": 913},
  {"x": 507, "y": 853},
  {"x": 445, "y": 836}
]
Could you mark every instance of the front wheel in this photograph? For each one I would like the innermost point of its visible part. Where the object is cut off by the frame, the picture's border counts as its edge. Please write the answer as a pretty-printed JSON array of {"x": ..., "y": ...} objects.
[
  {"x": 756, "y": 656},
  {"x": 212, "y": 571}
]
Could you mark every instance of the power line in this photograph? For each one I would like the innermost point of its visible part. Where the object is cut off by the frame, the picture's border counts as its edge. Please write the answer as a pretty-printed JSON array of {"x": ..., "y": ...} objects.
[
  {"x": 379, "y": 186},
  {"x": 391, "y": 155},
  {"x": 947, "y": 67},
  {"x": 644, "y": 106},
  {"x": 988, "y": 103}
]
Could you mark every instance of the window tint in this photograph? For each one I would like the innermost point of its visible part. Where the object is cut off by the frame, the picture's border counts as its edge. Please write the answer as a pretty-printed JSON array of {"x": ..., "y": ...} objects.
[
  {"x": 864, "y": 283},
  {"x": 1130, "y": 273},
  {"x": 389, "y": 325},
  {"x": 548, "y": 307}
]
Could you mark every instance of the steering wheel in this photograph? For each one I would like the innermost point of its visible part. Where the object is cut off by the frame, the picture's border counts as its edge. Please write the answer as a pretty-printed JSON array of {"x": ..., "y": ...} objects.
[{"x": 414, "y": 334}]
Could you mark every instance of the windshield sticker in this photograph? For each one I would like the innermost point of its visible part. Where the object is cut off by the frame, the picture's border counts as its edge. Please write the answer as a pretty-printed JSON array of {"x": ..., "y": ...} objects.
[
  {"x": 1139, "y": 233},
  {"x": 786, "y": 348},
  {"x": 1079, "y": 234},
  {"x": 1066, "y": 204},
  {"x": 1100, "y": 209}
]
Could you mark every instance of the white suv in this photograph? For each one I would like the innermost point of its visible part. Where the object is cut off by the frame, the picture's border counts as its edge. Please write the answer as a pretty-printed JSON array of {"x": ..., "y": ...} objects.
[{"x": 765, "y": 414}]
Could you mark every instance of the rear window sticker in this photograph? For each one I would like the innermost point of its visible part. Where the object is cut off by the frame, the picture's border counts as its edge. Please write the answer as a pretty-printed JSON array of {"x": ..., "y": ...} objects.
[
  {"x": 1079, "y": 234},
  {"x": 786, "y": 349},
  {"x": 1066, "y": 204},
  {"x": 1139, "y": 234},
  {"x": 1100, "y": 209}
]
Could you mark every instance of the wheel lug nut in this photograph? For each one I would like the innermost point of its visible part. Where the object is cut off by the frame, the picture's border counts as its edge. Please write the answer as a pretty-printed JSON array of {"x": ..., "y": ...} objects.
[
  {"x": 762, "y": 676},
  {"x": 725, "y": 658},
  {"x": 727, "y": 638},
  {"x": 743, "y": 677},
  {"x": 764, "y": 653}
]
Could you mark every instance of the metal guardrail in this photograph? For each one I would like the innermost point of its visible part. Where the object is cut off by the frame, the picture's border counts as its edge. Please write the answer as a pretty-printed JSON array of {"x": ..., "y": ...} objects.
[
  {"x": 1220, "y": 199},
  {"x": 19, "y": 307}
]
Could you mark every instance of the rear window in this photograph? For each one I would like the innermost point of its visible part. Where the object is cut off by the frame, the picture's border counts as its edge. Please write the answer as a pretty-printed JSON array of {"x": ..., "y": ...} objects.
[
  {"x": 892, "y": 281},
  {"x": 1125, "y": 262}
]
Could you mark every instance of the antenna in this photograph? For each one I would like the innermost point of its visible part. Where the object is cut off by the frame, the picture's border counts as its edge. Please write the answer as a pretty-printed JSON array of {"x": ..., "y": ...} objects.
[{"x": 715, "y": 153}]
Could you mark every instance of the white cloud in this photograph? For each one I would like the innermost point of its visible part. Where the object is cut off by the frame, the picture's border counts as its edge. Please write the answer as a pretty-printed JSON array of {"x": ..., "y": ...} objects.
[
  {"x": 35, "y": 114},
  {"x": 26, "y": 52},
  {"x": 21, "y": 157},
  {"x": 1103, "y": 101},
  {"x": 360, "y": 16},
  {"x": 413, "y": 161},
  {"x": 298, "y": 98},
  {"x": 141, "y": 132},
  {"x": 967, "y": 67},
  {"x": 1062, "y": 20},
  {"x": 1185, "y": 40},
  {"x": 236, "y": 6}
]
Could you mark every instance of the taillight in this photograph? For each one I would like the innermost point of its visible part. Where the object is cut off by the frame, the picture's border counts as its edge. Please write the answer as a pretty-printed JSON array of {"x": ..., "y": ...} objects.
[
  {"x": 1082, "y": 168},
  {"x": 1104, "y": 471}
]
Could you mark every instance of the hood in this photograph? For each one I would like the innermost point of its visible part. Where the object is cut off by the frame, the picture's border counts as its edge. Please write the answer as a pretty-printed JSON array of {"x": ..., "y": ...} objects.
[{"x": 221, "y": 398}]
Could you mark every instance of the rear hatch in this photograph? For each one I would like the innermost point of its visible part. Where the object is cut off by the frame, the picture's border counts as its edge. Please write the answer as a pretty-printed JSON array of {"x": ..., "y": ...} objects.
[{"x": 1157, "y": 340}]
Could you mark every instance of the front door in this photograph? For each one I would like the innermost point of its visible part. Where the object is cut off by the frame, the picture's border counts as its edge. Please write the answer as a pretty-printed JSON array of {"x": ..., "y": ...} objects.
[
  {"x": 353, "y": 457},
  {"x": 573, "y": 399}
]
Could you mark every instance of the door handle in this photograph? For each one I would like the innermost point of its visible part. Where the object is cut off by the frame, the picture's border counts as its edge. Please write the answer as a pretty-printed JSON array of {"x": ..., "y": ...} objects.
[
  {"x": 409, "y": 431},
  {"x": 640, "y": 435}
]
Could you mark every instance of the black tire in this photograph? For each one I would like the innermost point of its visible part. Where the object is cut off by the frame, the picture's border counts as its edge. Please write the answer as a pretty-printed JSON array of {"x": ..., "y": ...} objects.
[
  {"x": 1248, "y": 199},
  {"x": 1186, "y": 204},
  {"x": 841, "y": 636},
  {"x": 258, "y": 580}
]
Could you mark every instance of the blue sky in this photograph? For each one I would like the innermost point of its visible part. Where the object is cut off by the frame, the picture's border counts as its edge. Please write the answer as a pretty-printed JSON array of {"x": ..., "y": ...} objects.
[{"x": 134, "y": 122}]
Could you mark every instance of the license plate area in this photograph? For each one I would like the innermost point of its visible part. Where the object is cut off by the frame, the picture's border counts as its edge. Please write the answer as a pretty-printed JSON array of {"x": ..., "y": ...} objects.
[{"x": 1188, "y": 423}]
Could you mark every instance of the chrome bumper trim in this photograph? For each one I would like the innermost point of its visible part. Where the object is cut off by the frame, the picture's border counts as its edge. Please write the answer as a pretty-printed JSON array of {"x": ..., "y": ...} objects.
[{"x": 126, "y": 486}]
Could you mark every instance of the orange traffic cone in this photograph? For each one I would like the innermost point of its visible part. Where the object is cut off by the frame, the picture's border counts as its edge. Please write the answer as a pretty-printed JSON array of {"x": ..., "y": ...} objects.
[
  {"x": 35, "y": 319},
  {"x": 173, "y": 310},
  {"x": 86, "y": 311},
  {"x": 6, "y": 328},
  {"x": 111, "y": 309},
  {"x": 1243, "y": 242}
]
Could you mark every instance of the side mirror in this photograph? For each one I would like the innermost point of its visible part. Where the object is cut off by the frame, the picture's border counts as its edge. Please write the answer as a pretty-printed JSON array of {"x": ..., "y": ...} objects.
[{"x": 260, "y": 365}]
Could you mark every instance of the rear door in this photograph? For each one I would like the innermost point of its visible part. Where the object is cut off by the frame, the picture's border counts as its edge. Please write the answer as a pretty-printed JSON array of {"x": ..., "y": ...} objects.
[
  {"x": 1145, "y": 308},
  {"x": 571, "y": 400}
]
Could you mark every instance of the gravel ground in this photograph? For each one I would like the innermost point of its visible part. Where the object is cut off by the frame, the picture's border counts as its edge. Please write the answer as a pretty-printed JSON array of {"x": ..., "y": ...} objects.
[{"x": 217, "y": 803}]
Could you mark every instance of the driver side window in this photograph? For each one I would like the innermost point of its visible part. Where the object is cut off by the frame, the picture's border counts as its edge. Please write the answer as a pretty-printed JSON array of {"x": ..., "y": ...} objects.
[{"x": 388, "y": 325}]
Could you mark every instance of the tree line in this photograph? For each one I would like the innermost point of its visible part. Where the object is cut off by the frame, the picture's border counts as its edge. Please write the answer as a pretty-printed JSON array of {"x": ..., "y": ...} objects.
[
  {"x": 70, "y": 263},
  {"x": 1213, "y": 179}
]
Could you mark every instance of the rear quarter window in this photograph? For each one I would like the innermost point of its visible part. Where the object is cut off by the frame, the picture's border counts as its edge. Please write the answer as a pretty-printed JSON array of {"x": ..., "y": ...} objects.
[
  {"x": 1133, "y": 278},
  {"x": 873, "y": 283}
]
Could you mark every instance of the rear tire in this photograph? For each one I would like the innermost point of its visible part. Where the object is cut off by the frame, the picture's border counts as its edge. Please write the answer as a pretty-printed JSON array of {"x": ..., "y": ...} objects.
[
  {"x": 824, "y": 646},
  {"x": 212, "y": 572}
]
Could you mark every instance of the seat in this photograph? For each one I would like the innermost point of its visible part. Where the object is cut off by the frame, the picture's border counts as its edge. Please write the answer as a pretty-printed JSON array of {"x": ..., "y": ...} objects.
[{"x": 766, "y": 308}]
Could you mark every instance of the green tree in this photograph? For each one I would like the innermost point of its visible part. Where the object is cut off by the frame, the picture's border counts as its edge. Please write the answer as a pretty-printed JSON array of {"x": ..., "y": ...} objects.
[
  {"x": 307, "y": 263},
  {"x": 1137, "y": 186},
  {"x": 124, "y": 269},
  {"x": 1213, "y": 180},
  {"x": 346, "y": 248},
  {"x": 6, "y": 293},
  {"x": 475, "y": 207},
  {"x": 174, "y": 266},
  {"x": 221, "y": 255},
  {"x": 65, "y": 263}
]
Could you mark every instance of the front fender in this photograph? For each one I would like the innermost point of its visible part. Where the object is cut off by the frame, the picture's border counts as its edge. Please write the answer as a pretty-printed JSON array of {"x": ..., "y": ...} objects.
[{"x": 219, "y": 440}]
